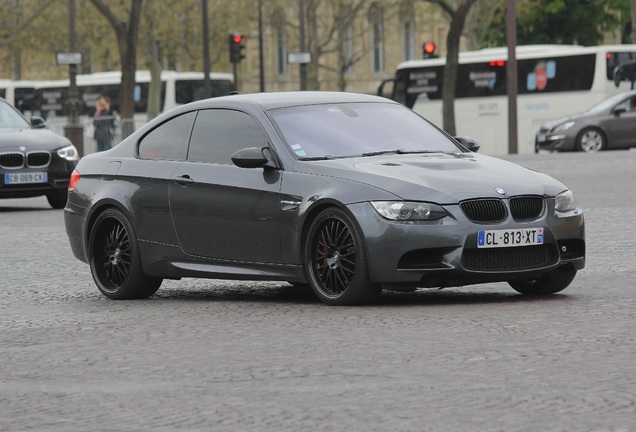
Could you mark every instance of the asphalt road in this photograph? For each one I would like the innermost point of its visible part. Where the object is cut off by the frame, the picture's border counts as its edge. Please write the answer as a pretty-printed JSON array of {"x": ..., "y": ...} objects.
[{"x": 207, "y": 355}]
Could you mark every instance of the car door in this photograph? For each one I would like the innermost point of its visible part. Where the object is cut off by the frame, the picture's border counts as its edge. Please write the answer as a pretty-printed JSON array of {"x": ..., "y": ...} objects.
[
  {"x": 220, "y": 210},
  {"x": 160, "y": 151},
  {"x": 621, "y": 126}
]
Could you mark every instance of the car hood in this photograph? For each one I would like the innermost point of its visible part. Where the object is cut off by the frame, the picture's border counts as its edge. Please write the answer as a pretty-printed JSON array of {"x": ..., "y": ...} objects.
[
  {"x": 444, "y": 178},
  {"x": 30, "y": 140},
  {"x": 576, "y": 117}
]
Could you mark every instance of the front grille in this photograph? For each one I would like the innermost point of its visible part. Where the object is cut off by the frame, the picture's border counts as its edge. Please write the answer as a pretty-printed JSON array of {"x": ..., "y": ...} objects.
[
  {"x": 484, "y": 210},
  {"x": 38, "y": 159},
  {"x": 11, "y": 160},
  {"x": 509, "y": 259},
  {"x": 524, "y": 208}
]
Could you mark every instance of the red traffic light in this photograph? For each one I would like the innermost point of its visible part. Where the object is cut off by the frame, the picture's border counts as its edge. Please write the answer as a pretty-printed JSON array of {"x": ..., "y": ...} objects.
[
  {"x": 429, "y": 47},
  {"x": 236, "y": 41}
]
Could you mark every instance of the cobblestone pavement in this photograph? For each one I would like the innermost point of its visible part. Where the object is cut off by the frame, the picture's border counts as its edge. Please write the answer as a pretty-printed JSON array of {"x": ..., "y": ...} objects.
[{"x": 206, "y": 355}]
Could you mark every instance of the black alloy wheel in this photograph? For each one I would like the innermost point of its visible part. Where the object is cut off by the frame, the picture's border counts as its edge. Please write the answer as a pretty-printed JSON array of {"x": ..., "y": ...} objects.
[
  {"x": 115, "y": 261},
  {"x": 336, "y": 260}
]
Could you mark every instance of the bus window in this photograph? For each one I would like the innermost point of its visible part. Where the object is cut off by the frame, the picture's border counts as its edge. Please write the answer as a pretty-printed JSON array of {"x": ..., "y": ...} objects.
[
  {"x": 616, "y": 59},
  {"x": 187, "y": 91},
  {"x": 25, "y": 99},
  {"x": 557, "y": 74}
]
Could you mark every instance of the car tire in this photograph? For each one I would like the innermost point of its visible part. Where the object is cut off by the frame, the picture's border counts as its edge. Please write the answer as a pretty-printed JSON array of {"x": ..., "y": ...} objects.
[
  {"x": 336, "y": 261},
  {"x": 591, "y": 140},
  {"x": 57, "y": 200},
  {"x": 548, "y": 283},
  {"x": 115, "y": 260}
]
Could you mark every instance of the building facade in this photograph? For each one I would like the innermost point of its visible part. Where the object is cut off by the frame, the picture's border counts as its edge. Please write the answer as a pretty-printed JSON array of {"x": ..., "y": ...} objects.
[{"x": 353, "y": 44}]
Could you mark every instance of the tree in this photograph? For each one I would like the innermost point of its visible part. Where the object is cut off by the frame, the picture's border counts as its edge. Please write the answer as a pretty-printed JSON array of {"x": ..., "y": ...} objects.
[
  {"x": 126, "y": 32},
  {"x": 457, "y": 18},
  {"x": 633, "y": 22},
  {"x": 15, "y": 20},
  {"x": 583, "y": 22}
]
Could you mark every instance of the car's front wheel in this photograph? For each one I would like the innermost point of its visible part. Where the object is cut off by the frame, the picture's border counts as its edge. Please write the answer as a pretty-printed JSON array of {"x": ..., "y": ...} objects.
[
  {"x": 591, "y": 140},
  {"x": 548, "y": 283},
  {"x": 115, "y": 260},
  {"x": 336, "y": 260}
]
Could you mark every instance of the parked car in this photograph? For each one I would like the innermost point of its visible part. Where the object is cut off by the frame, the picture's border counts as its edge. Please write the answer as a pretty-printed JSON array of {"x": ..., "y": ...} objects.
[
  {"x": 33, "y": 160},
  {"x": 609, "y": 125},
  {"x": 348, "y": 193}
]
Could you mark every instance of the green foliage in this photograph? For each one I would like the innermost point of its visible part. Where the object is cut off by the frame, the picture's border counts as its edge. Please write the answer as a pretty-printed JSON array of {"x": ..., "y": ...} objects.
[{"x": 582, "y": 22}]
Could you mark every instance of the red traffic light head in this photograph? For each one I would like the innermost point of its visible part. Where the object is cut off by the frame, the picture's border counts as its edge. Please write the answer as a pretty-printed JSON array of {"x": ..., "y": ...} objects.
[
  {"x": 237, "y": 38},
  {"x": 429, "y": 47}
]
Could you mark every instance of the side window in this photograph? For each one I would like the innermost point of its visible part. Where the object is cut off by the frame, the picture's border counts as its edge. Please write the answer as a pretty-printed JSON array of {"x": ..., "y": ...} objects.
[
  {"x": 218, "y": 134},
  {"x": 169, "y": 140}
]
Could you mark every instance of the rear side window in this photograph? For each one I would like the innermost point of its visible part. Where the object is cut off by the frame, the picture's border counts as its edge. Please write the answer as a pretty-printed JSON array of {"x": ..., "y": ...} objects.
[{"x": 168, "y": 141}]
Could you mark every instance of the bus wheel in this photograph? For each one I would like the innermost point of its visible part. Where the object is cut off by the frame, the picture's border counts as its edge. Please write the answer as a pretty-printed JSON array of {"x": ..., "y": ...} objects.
[{"x": 591, "y": 140}]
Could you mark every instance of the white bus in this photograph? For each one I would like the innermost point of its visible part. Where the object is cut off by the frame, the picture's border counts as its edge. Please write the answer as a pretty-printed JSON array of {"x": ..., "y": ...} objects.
[
  {"x": 553, "y": 81},
  {"x": 47, "y": 99}
]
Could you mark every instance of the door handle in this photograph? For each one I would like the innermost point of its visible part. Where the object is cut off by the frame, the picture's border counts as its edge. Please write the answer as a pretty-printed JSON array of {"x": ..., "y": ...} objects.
[{"x": 183, "y": 180}]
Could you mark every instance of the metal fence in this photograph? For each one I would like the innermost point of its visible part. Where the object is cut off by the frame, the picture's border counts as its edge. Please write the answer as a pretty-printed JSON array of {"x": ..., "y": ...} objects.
[{"x": 90, "y": 145}]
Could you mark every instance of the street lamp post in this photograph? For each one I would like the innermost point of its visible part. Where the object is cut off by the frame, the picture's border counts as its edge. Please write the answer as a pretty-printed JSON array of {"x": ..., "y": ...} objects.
[{"x": 73, "y": 130}]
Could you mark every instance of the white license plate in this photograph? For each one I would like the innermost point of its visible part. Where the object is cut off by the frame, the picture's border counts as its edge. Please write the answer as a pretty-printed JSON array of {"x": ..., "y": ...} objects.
[
  {"x": 24, "y": 178},
  {"x": 541, "y": 138},
  {"x": 509, "y": 237}
]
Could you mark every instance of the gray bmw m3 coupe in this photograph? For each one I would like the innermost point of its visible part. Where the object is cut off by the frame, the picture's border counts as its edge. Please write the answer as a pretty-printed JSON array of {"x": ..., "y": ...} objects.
[{"x": 350, "y": 194}]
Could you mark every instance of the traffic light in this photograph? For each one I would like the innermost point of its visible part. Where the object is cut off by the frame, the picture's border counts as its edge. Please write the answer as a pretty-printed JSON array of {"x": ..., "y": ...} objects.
[
  {"x": 236, "y": 46},
  {"x": 428, "y": 50}
]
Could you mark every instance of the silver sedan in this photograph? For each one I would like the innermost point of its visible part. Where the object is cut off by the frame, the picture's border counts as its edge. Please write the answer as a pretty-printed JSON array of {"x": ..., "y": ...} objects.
[{"x": 608, "y": 125}]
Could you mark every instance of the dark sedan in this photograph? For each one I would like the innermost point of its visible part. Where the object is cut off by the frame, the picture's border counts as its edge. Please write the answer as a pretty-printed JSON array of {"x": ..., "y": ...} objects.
[
  {"x": 348, "y": 193},
  {"x": 33, "y": 160},
  {"x": 609, "y": 125}
]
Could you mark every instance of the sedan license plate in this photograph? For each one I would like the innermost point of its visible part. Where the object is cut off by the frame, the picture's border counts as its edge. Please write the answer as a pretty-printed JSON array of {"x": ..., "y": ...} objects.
[
  {"x": 509, "y": 237},
  {"x": 541, "y": 138},
  {"x": 25, "y": 178}
]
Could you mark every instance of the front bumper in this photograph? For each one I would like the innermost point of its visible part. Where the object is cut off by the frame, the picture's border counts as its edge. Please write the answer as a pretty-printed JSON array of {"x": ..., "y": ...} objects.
[
  {"x": 444, "y": 252},
  {"x": 58, "y": 175},
  {"x": 554, "y": 142}
]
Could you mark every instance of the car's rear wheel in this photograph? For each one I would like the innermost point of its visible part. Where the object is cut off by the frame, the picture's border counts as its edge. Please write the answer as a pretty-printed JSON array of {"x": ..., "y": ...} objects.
[
  {"x": 591, "y": 140},
  {"x": 548, "y": 283},
  {"x": 336, "y": 260},
  {"x": 57, "y": 200},
  {"x": 115, "y": 259}
]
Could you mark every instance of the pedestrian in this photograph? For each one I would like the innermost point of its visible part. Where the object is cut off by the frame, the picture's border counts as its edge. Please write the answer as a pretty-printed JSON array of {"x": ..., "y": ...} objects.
[{"x": 103, "y": 124}]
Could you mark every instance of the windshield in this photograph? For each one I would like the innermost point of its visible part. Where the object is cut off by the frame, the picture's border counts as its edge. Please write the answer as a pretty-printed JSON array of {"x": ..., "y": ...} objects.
[
  {"x": 357, "y": 129},
  {"x": 607, "y": 103},
  {"x": 10, "y": 119}
]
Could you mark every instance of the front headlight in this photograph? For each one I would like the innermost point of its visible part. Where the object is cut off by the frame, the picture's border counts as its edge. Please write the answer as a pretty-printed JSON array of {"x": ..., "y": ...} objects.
[
  {"x": 564, "y": 126},
  {"x": 69, "y": 153},
  {"x": 565, "y": 201},
  {"x": 408, "y": 211}
]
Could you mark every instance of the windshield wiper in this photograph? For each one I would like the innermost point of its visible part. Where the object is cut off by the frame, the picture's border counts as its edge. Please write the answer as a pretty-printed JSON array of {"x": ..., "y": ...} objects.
[
  {"x": 382, "y": 152},
  {"x": 398, "y": 151},
  {"x": 315, "y": 158}
]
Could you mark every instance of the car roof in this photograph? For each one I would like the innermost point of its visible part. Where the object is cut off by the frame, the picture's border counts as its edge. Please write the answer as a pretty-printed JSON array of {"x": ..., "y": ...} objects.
[{"x": 276, "y": 100}]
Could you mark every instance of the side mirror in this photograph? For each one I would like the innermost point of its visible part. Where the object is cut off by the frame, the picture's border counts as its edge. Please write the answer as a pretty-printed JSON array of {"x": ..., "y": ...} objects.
[
  {"x": 251, "y": 157},
  {"x": 618, "y": 111},
  {"x": 38, "y": 123},
  {"x": 468, "y": 142}
]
